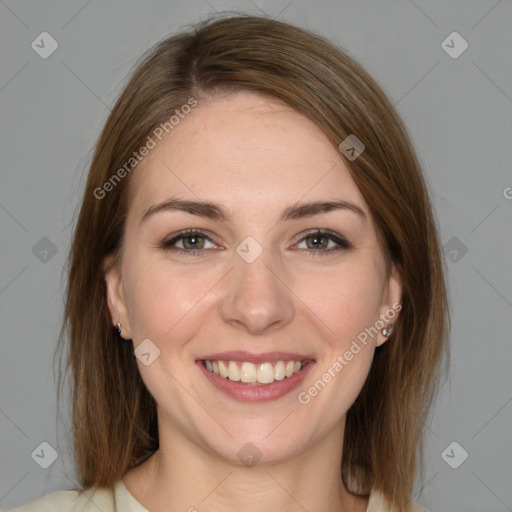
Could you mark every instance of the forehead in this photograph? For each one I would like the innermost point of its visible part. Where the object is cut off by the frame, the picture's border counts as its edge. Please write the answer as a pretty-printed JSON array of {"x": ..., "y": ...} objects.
[{"x": 245, "y": 151}]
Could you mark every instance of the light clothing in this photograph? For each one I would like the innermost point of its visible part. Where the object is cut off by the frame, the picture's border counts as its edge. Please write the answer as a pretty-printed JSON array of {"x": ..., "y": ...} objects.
[{"x": 119, "y": 499}]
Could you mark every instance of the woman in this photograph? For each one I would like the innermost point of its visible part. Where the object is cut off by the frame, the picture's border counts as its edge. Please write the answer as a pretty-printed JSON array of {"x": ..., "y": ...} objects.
[{"x": 257, "y": 229}]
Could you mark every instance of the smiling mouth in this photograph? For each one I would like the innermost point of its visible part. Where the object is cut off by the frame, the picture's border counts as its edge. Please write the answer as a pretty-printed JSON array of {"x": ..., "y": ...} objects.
[{"x": 260, "y": 374}]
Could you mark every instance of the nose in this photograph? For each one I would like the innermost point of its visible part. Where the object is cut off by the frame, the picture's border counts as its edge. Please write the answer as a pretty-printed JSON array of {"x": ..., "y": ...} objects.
[{"x": 257, "y": 297}]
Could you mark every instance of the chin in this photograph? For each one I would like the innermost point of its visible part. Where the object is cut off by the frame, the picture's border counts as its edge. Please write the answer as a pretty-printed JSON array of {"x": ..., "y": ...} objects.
[{"x": 258, "y": 444}]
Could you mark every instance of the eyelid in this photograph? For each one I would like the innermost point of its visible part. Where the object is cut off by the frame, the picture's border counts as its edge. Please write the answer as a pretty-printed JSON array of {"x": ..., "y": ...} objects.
[
  {"x": 341, "y": 241},
  {"x": 167, "y": 243}
]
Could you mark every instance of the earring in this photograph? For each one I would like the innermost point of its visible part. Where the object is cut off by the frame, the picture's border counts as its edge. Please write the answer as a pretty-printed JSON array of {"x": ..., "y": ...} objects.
[
  {"x": 388, "y": 331},
  {"x": 119, "y": 330}
]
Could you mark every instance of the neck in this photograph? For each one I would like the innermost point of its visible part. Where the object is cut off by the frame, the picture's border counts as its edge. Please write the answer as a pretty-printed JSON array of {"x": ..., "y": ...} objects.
[{"x": 184, "y": 476}]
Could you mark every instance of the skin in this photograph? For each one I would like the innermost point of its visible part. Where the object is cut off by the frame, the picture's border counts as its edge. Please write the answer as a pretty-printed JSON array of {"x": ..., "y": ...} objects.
[{"x": 256, "y": 157}]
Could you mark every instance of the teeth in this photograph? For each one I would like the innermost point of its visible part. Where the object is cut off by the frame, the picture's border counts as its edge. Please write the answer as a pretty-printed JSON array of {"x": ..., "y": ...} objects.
[
  {"x": 279, "y": 371},
  {"x": 249, "y": 373},
  {"x": 223, "y": 369},
  {"x": 233, "y": 371},
  {"x": 266, "y": 373}
]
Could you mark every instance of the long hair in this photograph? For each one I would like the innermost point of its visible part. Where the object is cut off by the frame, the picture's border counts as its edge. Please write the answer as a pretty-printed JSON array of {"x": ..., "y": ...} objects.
[{"x": 114, "y": 419}]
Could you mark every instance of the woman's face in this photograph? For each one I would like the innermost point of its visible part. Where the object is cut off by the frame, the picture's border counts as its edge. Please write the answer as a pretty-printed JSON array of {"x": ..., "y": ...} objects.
[{"x": 254, "y": 292}]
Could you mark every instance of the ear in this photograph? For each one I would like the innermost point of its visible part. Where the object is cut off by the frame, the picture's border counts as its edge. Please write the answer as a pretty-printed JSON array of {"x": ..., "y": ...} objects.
[
  {"x": 391, "y": 302},
  {"x": 115, "y": 296}
]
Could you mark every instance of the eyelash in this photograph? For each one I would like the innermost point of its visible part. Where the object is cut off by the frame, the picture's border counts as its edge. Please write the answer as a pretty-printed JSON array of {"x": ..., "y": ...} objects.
[{"x": 343, "y": 244}]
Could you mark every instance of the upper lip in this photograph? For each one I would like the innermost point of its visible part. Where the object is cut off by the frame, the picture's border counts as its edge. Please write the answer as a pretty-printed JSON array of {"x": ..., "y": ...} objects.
[{"x": 267, "y": 357}]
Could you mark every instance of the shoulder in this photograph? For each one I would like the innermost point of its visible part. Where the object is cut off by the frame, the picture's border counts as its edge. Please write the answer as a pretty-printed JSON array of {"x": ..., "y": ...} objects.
[
  {"x": 378, "y": 503},
  {"x": 92, "y": 500}
]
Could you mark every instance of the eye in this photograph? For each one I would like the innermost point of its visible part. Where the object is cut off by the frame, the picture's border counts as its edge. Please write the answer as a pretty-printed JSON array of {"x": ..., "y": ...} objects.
[
  {"x": 189, "y": 241},
  {"x": 323, "y": 242}
]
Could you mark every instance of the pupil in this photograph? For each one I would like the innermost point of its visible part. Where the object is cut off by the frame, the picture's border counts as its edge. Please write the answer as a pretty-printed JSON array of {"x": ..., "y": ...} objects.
[
  {"x": 193, "y": 241},
  {"x": 317, "y": 241}
]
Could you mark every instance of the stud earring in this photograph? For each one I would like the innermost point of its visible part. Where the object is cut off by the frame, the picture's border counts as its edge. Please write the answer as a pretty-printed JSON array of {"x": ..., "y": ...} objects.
[
  {"x": 118, "y": 327},
  {"x": 388, "y": 331}
]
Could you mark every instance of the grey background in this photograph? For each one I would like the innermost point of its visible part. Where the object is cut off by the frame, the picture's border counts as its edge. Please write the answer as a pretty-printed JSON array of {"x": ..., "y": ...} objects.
[{"x": 458, "y": 112}]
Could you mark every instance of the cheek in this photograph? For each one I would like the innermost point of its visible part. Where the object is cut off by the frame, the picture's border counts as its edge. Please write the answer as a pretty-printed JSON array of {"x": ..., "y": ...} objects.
[
  {"x": 346, "y": 300},
  {"x": 337, "y": 382},
  {"x": 349, "y": 303},
  {"x": 161, "y": 299},
  {"x": 346, "y": 385}
]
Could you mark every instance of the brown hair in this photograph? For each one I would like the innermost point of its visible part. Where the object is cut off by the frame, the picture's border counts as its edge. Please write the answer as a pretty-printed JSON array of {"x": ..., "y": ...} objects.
[{"x": 114, "y": 418}]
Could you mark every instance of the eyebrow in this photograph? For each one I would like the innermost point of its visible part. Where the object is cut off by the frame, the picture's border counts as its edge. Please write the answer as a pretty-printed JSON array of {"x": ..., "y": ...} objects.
[{"x": 216, "y": 211}]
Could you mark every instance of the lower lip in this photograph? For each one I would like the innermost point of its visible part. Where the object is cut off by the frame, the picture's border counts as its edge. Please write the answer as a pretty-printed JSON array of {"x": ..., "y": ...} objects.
[{"x": 249, "y": 393}]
